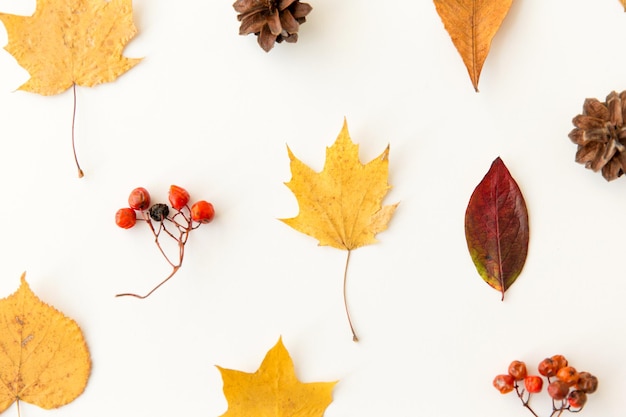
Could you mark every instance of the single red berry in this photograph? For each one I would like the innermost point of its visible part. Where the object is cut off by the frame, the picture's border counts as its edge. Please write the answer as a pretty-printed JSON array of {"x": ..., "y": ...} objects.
[
  {"x": 139, "y": 199},
  {"x": 504, "y": 383},
  {"x": 547, "y": 367},
  {"x": 125, "y": 218},
  {"x": 587, "y": 383},
  {"x": 558, "y": 389},
  {"x": 517, "y": 370},
  {"x": 559, "y": 361},
  {"x": 533, "y": 383},
  {"x": 202, "y": 212},
  {"x": 179, "y": 197},
  {"x": 577, "y": 399},
  {"x": 568, "y": 374}
]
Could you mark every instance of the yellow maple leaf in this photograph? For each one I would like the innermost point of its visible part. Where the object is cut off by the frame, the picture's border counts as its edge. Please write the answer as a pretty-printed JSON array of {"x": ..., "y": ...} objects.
[
  {"x": 43, "y": 356},
  {"x": 472, "y": 24},
  {"x": 274, "y": 390},
  {"x": 341, "y": 206},
  {"x": 68, "y": 42},
  {"x": 623, "y": 4}
]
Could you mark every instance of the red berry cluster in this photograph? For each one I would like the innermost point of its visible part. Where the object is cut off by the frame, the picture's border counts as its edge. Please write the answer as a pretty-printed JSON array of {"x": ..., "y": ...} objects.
[
  {"x": 567, "y": 387},
  {"x": 175, "y": 222}
]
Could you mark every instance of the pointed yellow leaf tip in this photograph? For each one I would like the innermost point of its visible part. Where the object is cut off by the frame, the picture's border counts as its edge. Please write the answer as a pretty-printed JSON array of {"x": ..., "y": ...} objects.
[
  {"x": 44, "y": 360},
  {"x": 341, "y": 206},
  {"x": 472, "y": 24},
  {"x": 68, "y": 42},
  {"x": 274, "y": 390}
]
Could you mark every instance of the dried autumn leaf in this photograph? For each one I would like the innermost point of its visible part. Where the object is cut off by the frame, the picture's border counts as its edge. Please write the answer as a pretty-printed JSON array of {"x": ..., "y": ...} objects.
[
  {"x": 496, "y": 228},
  {"x": 71, "y": 42},
  {"x": 274, "y": 390},
  {"x": 67, "y": 42},
  {"x": 341, "y": 206},
  {"x": 472, "y": 24},
  {"x": 44, "y": 359},
  {"x": 623, "y": 4}
]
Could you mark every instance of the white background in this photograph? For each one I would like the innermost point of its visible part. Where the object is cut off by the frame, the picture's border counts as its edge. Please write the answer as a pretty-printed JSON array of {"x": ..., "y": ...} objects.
[{"x": 207, "y": 109}]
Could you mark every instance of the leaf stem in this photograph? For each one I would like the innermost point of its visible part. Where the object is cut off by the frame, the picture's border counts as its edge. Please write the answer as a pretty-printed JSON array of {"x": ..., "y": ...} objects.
[
  {"x": 80, "y": 171},
  {"x": 17, "y": 402},
  {"x": 345, "y": 298}
]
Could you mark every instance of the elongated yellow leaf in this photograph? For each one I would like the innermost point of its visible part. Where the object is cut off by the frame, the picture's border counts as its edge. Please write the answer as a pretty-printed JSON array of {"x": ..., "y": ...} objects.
[{"x": 472, "y": 24}]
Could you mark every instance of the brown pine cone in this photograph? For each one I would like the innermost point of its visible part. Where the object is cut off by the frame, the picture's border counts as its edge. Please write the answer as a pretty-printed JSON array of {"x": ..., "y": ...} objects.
[
  {"x": 600, "y": 134},
  {"x": 271, "y": 20}
]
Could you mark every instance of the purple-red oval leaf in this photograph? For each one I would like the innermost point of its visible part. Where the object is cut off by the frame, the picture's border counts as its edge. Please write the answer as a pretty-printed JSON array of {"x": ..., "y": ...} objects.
[{"x": 496, "y": 228}]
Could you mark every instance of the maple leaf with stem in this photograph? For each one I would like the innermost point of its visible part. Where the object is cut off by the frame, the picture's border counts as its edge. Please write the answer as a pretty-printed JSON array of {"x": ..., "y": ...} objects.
[
  {"x": 274, "y": 389},
  {"x": 341, "y": 206},
  {"x": 71, "y": 42},
  {"x": 45, "y": 360}
]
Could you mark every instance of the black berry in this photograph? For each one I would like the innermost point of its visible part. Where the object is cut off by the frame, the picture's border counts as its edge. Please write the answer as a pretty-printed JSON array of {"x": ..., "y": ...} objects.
[{"x": 159, "y": 211}]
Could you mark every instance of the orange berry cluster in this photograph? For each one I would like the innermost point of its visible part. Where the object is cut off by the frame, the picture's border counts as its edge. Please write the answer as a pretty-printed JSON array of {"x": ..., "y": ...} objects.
[
  {"x": 176, "y": 221},
  {"x": 139, "y": 201},
  {"x": 567, "y": 387}
]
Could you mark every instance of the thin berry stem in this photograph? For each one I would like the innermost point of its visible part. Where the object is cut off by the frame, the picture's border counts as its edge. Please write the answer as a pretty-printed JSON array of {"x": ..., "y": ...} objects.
[
  {"x": 526, "y": 402},
  {"x": 80, "y": 171},
  {"x": 156, "y": 237},
  {"x": 181, "y": 239},
  {"x": 345, "y": 298},
  {"x": 128, "y": 294}
]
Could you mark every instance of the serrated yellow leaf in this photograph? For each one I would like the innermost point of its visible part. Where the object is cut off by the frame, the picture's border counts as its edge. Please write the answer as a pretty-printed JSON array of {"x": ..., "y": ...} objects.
[
  {"x": 274, "y": 390},
  {"x": 44, "y": 359},
  {"x": 472, "y": 24},
  {"x": 68, "y": 42},
  {"x": 341, "y": 206}
]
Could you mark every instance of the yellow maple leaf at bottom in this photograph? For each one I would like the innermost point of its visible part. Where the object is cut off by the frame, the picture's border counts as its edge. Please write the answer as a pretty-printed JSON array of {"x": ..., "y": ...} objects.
[
  {"x": 44, "y": 359},
  {"x": 341, "y": 205},
  {"x": 68, "y": 42},
  {"x": 274, "y": 390}
]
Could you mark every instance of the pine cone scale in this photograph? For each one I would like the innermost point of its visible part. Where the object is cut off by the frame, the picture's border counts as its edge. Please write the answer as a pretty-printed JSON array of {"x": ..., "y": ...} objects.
[
  {"x": 612, "y": 169},
  {"x": 586, "y": 154},
  {"x": 588, "y": 122},
  {"x": 266, "y": 39},
  {"x": 594, "y": 108},
  {"x": 283, "y": 4},
  {"x": 273, "y": 23},
  {"x": 241, "y": 6},
  {"x": 251, "y": 24},
  {"x": 289, "y": 23},
  {"x": 293, "y": 38},
  {"x": 615, "y": 109},
  {"x": 301, "y": 10}
]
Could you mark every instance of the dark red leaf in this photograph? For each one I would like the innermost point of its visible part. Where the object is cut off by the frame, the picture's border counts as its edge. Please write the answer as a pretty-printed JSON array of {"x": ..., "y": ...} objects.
[{"x": 496, "y": 228}]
